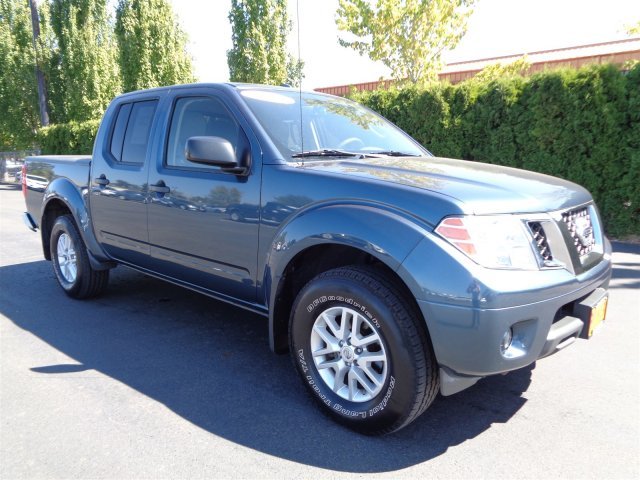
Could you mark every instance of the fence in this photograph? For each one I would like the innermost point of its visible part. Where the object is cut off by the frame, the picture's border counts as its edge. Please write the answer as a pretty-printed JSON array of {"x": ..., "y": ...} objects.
[{"x": 617, "y": 52}]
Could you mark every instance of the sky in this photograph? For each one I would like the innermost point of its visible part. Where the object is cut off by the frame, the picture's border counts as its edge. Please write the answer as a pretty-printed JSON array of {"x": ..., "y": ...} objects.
[{"x": 496, "y": 27}]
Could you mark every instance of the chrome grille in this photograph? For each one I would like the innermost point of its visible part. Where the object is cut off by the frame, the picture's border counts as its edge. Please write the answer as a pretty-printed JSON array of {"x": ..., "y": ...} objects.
[
  {"x": 580, "y": 229},
  {"x": 540, "y": 239}
]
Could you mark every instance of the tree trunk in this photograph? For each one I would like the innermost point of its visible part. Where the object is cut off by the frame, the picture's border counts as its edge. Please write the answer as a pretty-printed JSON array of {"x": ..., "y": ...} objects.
[{"x": 43, "y": 99}]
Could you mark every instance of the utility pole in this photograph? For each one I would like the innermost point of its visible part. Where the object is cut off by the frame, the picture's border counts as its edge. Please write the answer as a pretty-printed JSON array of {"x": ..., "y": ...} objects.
[{"x": 43, "y": 99}]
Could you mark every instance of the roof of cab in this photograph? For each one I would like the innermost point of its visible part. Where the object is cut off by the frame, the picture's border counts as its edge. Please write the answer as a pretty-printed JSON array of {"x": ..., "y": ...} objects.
[{"x": 224, "y": 85}]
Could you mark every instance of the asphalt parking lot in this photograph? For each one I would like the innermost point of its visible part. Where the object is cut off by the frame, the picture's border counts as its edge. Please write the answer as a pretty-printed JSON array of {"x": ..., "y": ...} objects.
[{"x": 154, "y": 381}]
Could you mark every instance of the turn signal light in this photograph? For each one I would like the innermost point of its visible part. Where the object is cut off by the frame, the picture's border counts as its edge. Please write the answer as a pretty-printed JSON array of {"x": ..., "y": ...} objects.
[{"x": 454, "y": 230}]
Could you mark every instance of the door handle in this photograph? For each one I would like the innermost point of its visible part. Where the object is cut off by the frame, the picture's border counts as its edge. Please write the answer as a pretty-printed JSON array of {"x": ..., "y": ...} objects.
[
  {"x": 159, "y": 187},
  {"x": 102, "y": 180}
]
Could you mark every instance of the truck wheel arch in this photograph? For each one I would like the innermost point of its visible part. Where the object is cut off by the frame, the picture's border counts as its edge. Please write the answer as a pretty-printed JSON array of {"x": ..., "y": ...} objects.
[
  {"x": 310, "y": 253},
  {"x": 61, "y": 198},
  {"x": 52, "y": 210}
]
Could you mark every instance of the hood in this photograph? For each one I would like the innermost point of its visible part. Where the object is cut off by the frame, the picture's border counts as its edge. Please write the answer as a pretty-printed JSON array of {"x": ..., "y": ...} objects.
[{"x": 479, "y": 188}]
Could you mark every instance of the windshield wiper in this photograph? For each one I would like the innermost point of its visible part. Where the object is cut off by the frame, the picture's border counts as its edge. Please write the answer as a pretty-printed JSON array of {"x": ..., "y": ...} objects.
[
  {"x": 325, "y": 153},
  {"x": 393, "y": 153},
  {"x": 329, "y": 152}
]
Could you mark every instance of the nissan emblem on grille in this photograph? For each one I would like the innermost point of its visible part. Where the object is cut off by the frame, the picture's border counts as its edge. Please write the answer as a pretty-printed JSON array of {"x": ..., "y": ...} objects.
[{"x": 581, "y": 230}]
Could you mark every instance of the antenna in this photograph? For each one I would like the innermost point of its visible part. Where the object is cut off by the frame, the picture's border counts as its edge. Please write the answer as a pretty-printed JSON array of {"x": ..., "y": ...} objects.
[{"x": 300, "y": 77}]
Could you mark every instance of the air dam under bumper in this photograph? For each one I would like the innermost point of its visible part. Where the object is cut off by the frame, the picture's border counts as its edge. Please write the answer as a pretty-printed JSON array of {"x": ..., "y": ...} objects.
[{"x": 467, "y": 341}]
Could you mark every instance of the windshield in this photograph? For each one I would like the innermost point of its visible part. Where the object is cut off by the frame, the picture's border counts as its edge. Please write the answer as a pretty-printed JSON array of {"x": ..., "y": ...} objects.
[{"x": 331, "y": 126}]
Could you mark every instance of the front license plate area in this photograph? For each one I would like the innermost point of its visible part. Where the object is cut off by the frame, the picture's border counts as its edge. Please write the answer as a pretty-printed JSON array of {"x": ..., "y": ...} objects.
[
  {"x": 598, "y": 314},
  {"x": 592, "y": 310}
]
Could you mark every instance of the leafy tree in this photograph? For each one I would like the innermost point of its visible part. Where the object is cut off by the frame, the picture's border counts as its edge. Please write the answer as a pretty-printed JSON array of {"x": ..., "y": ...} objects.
[
  {"x": 633, "y": 29},
  {"x": 408, "y": 36},
  {"x": 18, "y": 88},
  {"x": 84, "y": 61},
  {"x": 152, "y": 46},
  {"x": 49, "y": 60},
  {"x": 259, "y": 52}
]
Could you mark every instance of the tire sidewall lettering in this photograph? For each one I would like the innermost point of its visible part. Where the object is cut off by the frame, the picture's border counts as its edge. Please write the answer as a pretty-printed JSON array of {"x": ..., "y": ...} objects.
[
  {"x": 350, "y": 303},
  {"x": 363, "y": 290},
  {"x": 338, "y": 405},
  {"x": 317, "y": 387}
]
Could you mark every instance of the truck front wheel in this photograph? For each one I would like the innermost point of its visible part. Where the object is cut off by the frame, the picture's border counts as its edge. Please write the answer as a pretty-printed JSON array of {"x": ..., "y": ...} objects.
[
  {"x": 71, "y": 262},
  {"x": 359, "y": 348}
]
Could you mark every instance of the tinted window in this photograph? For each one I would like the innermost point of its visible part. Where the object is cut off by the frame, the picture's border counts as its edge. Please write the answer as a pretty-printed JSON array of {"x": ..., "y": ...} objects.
[
  {"x": 119, "y": 128},
  {"x": 198, "y": 116},
  {"x": 136, "y": 136}
]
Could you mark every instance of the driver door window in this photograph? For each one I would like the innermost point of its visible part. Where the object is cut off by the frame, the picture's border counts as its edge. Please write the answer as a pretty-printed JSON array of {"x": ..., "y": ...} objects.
[{"x": 197, "y": 117}]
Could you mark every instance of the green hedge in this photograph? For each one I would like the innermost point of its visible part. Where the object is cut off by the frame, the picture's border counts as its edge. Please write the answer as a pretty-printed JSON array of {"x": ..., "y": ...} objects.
[
  {"x": 68, "y": 138},
  {"x": 582, "y": 125}
]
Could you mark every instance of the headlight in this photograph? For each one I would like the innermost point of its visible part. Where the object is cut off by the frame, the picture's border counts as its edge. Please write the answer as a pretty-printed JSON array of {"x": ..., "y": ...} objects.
[{"x": 499, "y": 241}]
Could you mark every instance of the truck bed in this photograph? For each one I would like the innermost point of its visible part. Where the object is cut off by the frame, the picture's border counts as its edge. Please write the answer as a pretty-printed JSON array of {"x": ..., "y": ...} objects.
[{"x": 44, "y": 169}]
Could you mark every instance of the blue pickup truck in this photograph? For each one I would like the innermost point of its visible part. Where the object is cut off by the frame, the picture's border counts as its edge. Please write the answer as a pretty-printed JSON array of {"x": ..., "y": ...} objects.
[{"x": 390, "y": 275}]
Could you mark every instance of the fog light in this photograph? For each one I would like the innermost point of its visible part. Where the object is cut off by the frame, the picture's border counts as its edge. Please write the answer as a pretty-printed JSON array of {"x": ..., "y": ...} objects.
[{"x": 506, "y": 341}]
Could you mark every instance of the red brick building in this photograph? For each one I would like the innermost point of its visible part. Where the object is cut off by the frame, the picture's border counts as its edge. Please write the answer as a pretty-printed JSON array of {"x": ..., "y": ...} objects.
[{"x": 616, "y": 52}]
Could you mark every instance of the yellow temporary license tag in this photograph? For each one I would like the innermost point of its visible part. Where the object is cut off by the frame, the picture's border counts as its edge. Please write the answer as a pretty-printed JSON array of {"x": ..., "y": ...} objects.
[{"x": 598, "y": 314}]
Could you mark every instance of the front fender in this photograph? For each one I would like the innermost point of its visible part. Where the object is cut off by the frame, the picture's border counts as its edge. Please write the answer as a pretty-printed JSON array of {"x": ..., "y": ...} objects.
[
  {"x": 385, "y": 234},
  {"x": 63, "y": 190}
]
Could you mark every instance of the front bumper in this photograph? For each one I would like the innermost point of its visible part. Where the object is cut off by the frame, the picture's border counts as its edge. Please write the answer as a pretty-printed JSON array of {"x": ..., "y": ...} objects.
[{"x": 545, "y": 310}]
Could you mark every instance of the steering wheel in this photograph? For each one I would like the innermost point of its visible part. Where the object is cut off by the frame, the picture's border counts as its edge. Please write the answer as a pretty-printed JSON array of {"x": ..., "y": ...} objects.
[{"x": 351, "y": 143}]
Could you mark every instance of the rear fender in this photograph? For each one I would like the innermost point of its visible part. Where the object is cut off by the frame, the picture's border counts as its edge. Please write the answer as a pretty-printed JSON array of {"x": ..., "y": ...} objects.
[{"x": 64, "y": 191}]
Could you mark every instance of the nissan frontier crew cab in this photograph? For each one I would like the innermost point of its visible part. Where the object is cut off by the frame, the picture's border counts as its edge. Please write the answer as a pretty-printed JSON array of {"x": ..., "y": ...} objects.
[{"x": 388, "y": 274}]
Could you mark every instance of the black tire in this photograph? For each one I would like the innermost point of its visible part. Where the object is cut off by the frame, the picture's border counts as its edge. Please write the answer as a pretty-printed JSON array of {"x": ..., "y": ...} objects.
[
  {"x": 411, "y": 382},
  {"x": 87, "y": 281}
]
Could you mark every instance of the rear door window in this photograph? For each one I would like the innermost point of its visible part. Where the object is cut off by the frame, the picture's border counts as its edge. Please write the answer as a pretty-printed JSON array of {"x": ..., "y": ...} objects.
[
  {"x": 117, "y": 138},
  {"x": 130, "y": 136}
]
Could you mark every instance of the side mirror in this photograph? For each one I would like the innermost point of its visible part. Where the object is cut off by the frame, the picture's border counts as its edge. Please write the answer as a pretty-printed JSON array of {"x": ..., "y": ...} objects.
[{"x": 214, "y": 151}]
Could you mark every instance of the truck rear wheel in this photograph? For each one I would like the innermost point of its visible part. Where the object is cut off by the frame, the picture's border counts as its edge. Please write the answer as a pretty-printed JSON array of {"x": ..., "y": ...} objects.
[
  {"x": 71, "y": 261},
  {"x": 359, "y": 348}
]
